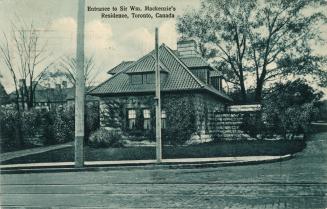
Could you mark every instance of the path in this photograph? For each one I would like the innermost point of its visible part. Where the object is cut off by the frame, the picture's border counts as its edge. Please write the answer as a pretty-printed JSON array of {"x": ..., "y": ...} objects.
[{"x": 21, "y": 153}]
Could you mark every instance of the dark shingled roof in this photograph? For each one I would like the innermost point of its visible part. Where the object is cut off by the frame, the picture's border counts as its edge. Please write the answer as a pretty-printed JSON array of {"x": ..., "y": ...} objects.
[
  {"x": 43, "y": 94},
  {"x": 123, "y": 65},
  {"x": 147, "y": 64},
  {"x": 179, "y": 77},
  {"x": 194, "y": 62}
]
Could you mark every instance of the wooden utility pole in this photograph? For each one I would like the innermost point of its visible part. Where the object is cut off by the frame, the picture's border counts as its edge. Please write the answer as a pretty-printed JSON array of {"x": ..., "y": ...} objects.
[
  {"x": 158, "y": 102},
  {"x": 80, "y": 87}
]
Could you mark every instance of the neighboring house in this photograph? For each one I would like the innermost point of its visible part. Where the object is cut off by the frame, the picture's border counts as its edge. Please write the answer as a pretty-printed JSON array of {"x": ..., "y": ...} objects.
[
  {"x": 49, "y": 98},
  {"x": 127, "y": 98}
]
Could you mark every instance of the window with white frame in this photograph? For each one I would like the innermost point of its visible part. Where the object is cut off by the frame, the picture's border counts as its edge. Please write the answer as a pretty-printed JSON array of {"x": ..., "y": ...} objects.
[
  {"x": 131, "y": 119},
  {"x": 163, "y": 119},
  {"x": 147, "y": 117}
]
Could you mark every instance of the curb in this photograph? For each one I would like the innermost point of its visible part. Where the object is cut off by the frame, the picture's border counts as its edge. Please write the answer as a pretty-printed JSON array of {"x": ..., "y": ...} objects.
[{"x": 143, "y": 166}]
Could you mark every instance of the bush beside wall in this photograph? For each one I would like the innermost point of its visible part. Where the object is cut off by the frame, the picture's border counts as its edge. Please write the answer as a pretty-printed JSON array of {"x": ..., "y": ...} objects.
[
  {"x": 105, "y": 138},
  {"x": 40, "y": 127},
  {"x": 181, "y": 122}
]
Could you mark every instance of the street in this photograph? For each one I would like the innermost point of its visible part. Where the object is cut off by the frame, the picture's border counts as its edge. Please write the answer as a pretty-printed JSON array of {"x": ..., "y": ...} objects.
[{"x": 297, "y": 183}]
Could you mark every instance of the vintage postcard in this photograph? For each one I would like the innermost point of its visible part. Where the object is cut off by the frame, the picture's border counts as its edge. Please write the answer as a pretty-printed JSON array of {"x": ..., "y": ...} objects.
[{"x": 163, "y": 104}]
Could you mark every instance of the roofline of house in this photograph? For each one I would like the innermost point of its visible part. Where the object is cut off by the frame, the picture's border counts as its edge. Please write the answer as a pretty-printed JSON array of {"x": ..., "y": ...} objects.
[
  {"x": 204, "y": 66},
  {"x": 112, "y": 73},
  {"x": 116, "y": 74},
  {"x": 150, "y": 54},
  {"x": 184, "y": 66},
  {"x": 203, "y": 86},
  {"x": 149, "y": 92}
]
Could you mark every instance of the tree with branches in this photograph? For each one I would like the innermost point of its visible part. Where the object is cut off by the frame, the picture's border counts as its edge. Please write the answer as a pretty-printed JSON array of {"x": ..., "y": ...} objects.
[
  {"x": 67, "y": 65},
  {"x": 265, "y": 39},
  {"x": 27, "y": 59}
]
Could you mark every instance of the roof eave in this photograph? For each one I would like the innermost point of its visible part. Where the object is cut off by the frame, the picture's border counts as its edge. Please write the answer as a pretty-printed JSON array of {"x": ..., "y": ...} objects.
[{"x": 224, "y": 97}]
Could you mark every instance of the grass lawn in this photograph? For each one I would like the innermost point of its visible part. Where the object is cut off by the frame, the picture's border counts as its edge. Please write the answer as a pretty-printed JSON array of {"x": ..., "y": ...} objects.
[
  {"x": 320, "y": 126},
  {"x": 220, "y": 149}
]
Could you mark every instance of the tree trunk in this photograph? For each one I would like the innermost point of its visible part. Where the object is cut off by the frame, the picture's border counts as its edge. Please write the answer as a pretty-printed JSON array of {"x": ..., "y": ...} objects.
[
  {"x": 22, "y": 96},
  {"x": 243, "y": 90},
  {"x": 18, "y": 130},
  {"x": 258, "y": 92},
  {"x": 30, "y": 96}
]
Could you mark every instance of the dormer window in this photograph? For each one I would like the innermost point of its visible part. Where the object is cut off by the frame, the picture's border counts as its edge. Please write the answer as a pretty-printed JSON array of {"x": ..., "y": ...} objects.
[
  {"x": 216, "y": 82},
  {"x": 202, "y": 74},
  {"x": 149, "y": 77},
  {"x": 136, "y": 79},
  {"x": 146, "y": 78}
]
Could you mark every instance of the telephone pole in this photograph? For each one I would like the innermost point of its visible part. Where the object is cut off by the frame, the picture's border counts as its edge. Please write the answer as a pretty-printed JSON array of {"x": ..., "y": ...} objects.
[
  {"x": 80, "y": 87},
  {"x": 158, "y": 102}
]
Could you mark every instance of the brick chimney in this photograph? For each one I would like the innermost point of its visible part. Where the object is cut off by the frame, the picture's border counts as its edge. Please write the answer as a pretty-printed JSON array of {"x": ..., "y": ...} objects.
[{"x": 187, "y": 48}]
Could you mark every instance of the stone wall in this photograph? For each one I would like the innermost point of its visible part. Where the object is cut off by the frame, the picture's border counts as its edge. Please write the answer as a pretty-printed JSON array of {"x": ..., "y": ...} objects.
[
  {"x": 206, "y": 105},
  {"x": 113, "y": 109},
  {"x": 211, "y": 116},
  {"x": 227, "y": 125}
]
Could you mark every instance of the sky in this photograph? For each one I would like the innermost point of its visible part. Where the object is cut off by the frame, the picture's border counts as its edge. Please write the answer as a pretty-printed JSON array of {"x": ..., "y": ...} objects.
[{"x": 110, "y": 41}]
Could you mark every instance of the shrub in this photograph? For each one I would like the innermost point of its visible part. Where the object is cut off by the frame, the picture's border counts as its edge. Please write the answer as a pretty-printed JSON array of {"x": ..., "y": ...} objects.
[
  {"x": 323, "y": 110},
  {"x": 105, "y": 138},
  {"x": 237, "y": 96},
  {"x": 48, "y": 133},
  {"x": 92, "y": 119},
  {"x": 8, "y": 129},
  {"x": 64, "y": 125},
  {"x": 42, "y": 127},
  {"x": 27, "y": 134},
  {"x": 31, "y": 122},
  {"x": 252, "y": 124},
  {"x": 288, "y": 109},
  {"x": 180, "y": 119}
]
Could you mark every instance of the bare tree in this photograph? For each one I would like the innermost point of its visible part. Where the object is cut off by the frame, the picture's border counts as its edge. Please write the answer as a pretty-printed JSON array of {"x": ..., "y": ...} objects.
[
  {"x": 68, "y": 64},
  {"x": 26, "y": 58},
  {"x": 5, "y": 54}
]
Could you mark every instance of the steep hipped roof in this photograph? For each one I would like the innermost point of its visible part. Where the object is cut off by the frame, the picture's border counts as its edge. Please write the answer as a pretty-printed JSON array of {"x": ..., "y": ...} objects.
[
  {"x": 120, "y": 67},
  {"x": 147, "y": 64},
  {"x": 180, "y": 77},
  {"x": 194, "y": 61}
]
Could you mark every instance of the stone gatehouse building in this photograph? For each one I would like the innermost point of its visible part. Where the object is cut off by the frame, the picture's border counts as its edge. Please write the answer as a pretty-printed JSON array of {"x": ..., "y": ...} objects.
[{"x": 189, "y": 86}]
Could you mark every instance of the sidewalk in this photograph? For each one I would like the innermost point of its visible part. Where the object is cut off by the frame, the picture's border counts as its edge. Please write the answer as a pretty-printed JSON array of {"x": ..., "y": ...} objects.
[
  {"x": 120, "y": 164},
  {"x": 37, "y": 150},
  {"x": 143, "y": 164}
]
